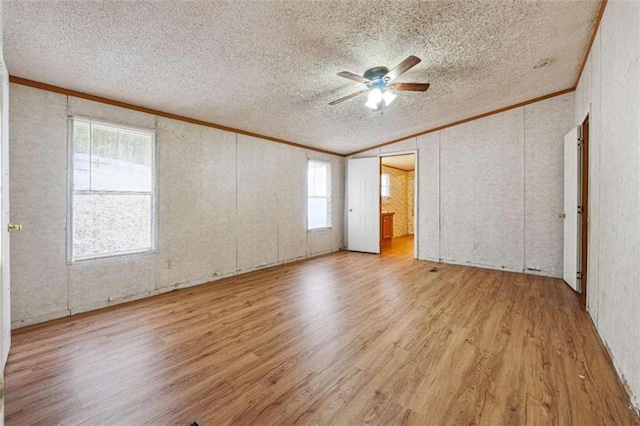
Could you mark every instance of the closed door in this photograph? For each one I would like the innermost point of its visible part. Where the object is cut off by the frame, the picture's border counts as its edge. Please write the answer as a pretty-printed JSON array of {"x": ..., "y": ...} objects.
[{"x": 5, "y": 310}]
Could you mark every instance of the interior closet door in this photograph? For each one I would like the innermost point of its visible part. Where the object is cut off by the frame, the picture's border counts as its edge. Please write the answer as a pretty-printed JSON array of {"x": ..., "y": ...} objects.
[
  {"x": 363, "y": 205},
  {"x": 571, "y": 207}
]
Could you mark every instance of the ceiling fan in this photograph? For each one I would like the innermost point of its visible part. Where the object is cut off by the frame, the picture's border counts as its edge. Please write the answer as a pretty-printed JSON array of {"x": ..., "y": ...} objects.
[{"x": 380, "y": 85}]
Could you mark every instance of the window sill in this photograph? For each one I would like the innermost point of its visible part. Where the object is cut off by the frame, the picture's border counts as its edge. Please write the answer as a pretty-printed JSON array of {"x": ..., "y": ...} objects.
[
  {"x": 114, "y": 257},
  {"x": 328, "y": 228}
]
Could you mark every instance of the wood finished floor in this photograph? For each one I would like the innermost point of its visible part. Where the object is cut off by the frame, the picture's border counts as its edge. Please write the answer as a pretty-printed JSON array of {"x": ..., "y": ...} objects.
[{"x": 347, "y": 338}]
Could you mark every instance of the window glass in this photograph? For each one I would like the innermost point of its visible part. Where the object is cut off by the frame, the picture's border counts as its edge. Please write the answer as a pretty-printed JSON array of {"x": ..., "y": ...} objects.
[
  {"x": 385, "y": 185},
  {"x": 318, "y": 194},
  {"x": 113, "y": 199}
]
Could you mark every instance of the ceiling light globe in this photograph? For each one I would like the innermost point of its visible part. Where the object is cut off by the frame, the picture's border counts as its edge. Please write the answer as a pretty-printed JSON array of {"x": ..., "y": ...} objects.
[
  {"x": 374, "y": 99},
  {"x": 375, "y": 95},
  {"x": 388, "y": 97},
  {"x": 372, "y": 105}
]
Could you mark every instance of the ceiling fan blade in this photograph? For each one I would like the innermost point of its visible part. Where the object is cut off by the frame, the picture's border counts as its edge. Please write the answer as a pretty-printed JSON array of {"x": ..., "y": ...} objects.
[
  {"x": 411, "y": 87},
  {"x": 346, "y": 98},
  {"x": 402, "y": 67},
  {"x": 354, "y": 77}
]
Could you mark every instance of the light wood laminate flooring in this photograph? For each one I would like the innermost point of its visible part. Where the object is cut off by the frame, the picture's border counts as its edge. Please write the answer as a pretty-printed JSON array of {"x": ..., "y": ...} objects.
[
  {"x": 346, "y": 338},
  {"x": 398, "y": 246}
]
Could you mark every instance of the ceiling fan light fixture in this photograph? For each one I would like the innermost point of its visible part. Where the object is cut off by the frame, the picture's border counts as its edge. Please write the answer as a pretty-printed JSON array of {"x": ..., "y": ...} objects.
[
  {"x": 378, "y": 84},
  {"x": 388, "y": 97},
  {"x": 373, "y": 105},
  {"x": 374, "y": 99}
]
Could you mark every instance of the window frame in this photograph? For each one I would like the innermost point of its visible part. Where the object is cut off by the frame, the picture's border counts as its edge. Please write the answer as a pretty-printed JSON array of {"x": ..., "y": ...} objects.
[
  {"x": 327, "y": 197},
  {"x": 71, "y": 191}
]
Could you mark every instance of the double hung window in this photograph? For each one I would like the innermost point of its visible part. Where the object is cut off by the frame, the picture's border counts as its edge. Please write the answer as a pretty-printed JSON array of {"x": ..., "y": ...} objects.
[{"x": 113, "y": 190}]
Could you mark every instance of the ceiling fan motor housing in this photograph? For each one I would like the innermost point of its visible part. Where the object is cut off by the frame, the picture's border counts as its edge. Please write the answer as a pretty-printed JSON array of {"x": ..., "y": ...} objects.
[{"x": 376, "y": 76}]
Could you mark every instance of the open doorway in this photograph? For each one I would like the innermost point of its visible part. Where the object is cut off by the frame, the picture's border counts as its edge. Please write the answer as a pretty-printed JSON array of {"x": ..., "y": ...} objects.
[{"x": 397, "y": 205}]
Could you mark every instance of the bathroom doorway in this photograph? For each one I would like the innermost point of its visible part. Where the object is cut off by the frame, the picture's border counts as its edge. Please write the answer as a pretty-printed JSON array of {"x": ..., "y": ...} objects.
[{"x": 398, "y": 204}]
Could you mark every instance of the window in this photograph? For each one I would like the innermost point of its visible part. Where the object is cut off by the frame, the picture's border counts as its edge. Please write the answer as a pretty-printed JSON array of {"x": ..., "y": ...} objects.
[
  {"x": 113, "y": 191},
  {"x": 318, "y": 195},
  {"x": 385, "y": 185}
]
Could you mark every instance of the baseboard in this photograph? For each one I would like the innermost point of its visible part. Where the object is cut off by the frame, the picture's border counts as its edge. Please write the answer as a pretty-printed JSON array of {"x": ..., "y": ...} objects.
[
  {"x": 114, "y": 301},
  {"x": 482, "y": 265},
  {"x": 492, "y": 267},
  {"x": 634, "y": 404},
  {"x": 23, "y": 322},
  {"x": 166, "y": 288},
  {"x": 39, "y": 319}
]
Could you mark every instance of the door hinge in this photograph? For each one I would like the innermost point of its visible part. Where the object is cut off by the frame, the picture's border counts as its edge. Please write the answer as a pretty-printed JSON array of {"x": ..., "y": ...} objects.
[
  {"x": 579, "y": 275},
  {"x": 579, "y": 209}
]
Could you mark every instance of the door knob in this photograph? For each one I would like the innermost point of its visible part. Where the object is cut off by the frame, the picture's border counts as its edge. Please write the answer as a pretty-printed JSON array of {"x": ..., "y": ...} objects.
[
  {"x": 562, "y": 215},
  {"x": 14, "y": 227}
]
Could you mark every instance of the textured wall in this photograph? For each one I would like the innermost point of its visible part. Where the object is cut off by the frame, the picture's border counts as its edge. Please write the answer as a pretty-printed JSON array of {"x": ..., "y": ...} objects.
[
  {"x": 490, "y": 190},
  {"x": 543, "y": 183},
  {"x": 398, "y": 202},
  {"x": 38, "y": 201},
  {"x": 428, "y": 232},
  {"x": 196, "y": 167},
  {"x": 481, "y": 189},
  {"x": 228, "y": 204},
  {"x": 609, "y": 90}
]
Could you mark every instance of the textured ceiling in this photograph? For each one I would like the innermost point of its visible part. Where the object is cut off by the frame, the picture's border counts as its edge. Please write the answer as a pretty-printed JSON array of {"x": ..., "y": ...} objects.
[
  {"x": 270, "y": 67},
  {"x": 403, "y": 162}
]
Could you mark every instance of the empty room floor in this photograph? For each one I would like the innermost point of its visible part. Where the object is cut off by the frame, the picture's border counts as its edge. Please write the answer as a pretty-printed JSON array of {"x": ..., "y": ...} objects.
[
  {"x": 398, "y": 246},
  {"x": 346, "y": 338}
]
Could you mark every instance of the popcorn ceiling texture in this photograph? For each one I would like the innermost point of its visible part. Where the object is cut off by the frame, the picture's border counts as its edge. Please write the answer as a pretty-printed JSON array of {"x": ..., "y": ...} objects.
[{"x": 270, "y": 67}]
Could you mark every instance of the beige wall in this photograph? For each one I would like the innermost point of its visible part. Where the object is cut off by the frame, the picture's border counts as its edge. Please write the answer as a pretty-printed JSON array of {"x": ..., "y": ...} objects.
[
  {"x": 228, "y": 204},
  {"x": 399, "y": 201},
  {"x": 490, "y": 190},
  {"x": 609, "y": 91}
]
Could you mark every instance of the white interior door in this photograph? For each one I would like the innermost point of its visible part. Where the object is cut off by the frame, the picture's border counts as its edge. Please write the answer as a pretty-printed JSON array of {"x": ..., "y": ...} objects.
[
  {"x": 363, "y": 205},
  {"x": 571, "y": 203},
  {"x": 5, "y": 306}
]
